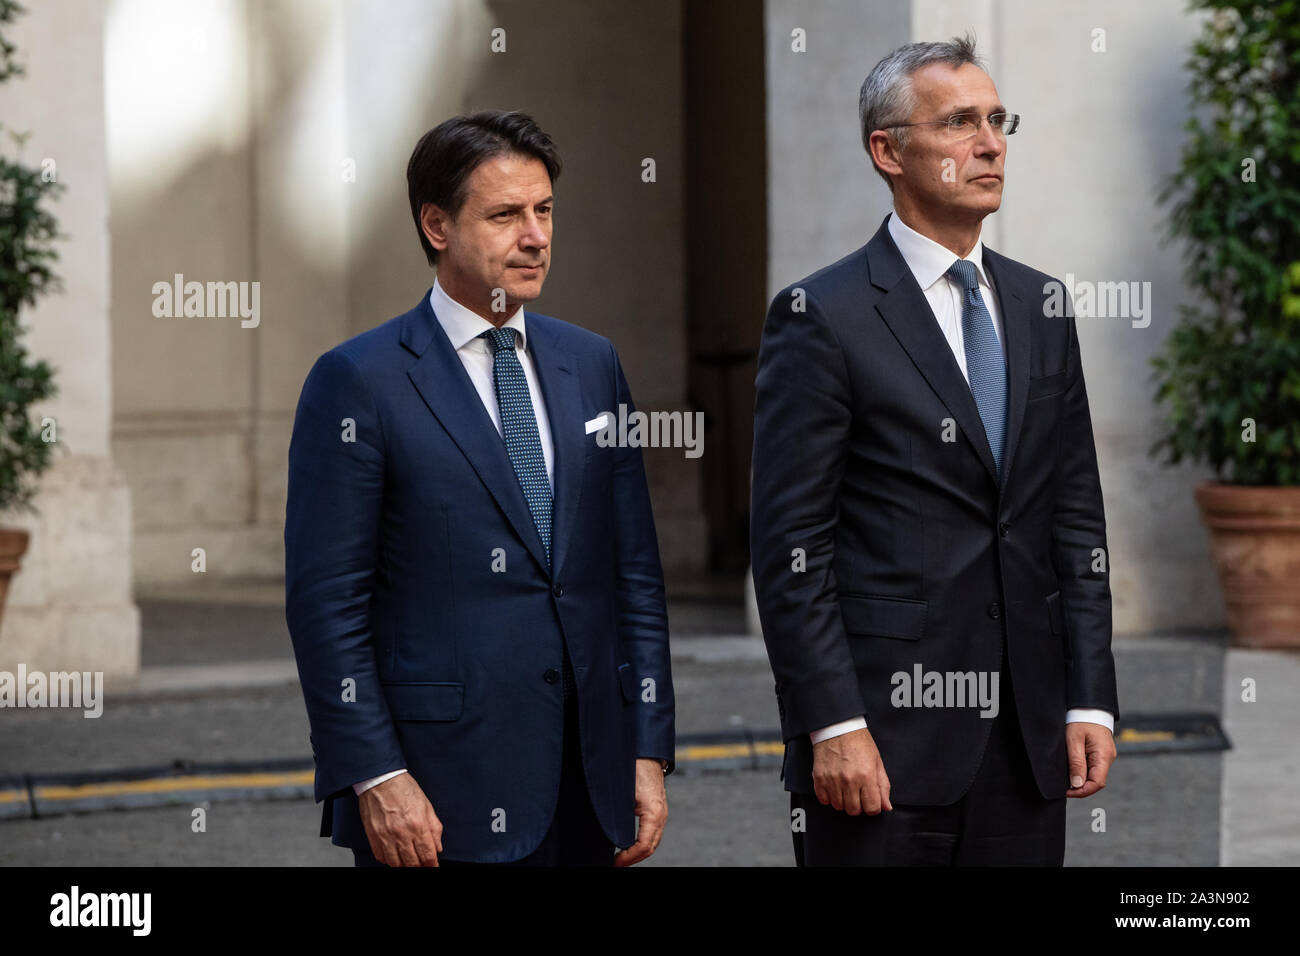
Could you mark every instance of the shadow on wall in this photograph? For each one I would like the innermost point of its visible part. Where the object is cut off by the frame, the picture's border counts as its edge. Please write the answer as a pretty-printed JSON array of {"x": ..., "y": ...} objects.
[{"x": 256, "y": 143}]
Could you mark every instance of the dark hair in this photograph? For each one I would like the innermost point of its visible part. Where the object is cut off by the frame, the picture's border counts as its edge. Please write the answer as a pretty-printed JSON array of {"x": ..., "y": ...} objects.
[{"x": 445, "y": 156}]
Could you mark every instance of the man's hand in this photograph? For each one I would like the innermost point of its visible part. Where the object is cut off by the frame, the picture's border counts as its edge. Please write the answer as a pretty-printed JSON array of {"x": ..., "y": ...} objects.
[
  {"x": 400, "y": 823},
  {"x": 1091, "y": 750},
  {"x": 651, "y": 812},
  {"x": 849, "y": 774}
]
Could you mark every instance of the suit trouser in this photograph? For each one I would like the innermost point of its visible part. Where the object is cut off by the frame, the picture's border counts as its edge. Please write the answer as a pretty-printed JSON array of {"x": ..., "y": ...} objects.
[
  {"x": 575, "y": 837},
  {"x": 1001, "y": 820}
]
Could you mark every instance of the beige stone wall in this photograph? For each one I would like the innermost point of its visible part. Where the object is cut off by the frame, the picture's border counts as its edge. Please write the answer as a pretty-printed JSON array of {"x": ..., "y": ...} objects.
[
  {"x": 282, "y": 161},
  {"x": 606, "y": 81},
  {"x": 70, "y": 607},
  {"x": 1101, "y": 89},
  {"x": 1100, "y": 132},
  {"x": 266, "y": 142}
]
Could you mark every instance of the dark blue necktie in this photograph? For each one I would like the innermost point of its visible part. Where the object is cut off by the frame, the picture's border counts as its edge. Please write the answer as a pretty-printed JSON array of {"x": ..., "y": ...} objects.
[
  {"x": 519, "y": 428},
  {"x": 985, "y": 366},
  {"x": 523, "y": 443}
]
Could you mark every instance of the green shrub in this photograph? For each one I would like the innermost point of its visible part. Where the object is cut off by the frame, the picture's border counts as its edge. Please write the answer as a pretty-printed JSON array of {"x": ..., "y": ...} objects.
[
  {"x": 27, "y": 254},
  {"x": 1235, "y": 354}
]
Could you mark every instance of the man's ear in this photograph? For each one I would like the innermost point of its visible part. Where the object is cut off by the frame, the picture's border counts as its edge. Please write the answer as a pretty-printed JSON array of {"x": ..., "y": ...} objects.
[
  {"x": 433, "y": 221},
  {"x": 885, "y": 151}
]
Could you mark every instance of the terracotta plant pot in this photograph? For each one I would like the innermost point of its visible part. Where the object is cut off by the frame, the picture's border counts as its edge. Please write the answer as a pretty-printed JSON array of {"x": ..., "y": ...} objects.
[
  {"x": 13, "y": 545},
  {"x": 1255, "y": 541}
]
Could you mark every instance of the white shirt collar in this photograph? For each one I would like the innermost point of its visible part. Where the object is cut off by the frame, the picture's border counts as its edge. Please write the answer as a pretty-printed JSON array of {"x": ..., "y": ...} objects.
[
  {"x": 463, "y": 325},
  {"x": 928, "y": 260}
]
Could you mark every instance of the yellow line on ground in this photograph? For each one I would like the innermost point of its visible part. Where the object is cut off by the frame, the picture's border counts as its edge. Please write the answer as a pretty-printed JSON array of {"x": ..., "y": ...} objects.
[
  {"x": 297, "y": 778},
  {"x": 716, "y": 751},
  {"x": 1139, "y": 736},
  {"x": 305, "y": 777},
  {"x": 713, "y": 751},
  {"x": 175, "y": 784}
]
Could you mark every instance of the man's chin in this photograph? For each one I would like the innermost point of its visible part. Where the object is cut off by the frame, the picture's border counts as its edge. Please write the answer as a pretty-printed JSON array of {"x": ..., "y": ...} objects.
[
  {"x": 983, "y": 205},
  {"x": 521, "y": 292}
]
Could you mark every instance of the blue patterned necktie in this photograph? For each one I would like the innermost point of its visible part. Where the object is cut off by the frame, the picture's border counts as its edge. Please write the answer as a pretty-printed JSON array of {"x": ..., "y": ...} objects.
[
  {"x": 519, "y": 428},
  {"x": 985, "y": 366},
  {"x": 523, "y": 443}
]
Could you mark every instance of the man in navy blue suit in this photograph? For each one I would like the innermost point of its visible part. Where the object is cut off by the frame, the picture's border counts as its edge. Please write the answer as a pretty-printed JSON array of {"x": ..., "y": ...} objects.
[
  {"x": 928, "y": 533},
  {"x": 473, "y": 584}
]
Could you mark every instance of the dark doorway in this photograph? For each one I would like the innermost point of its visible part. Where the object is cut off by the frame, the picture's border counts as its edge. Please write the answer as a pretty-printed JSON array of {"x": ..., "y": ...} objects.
[{"x": 726, "y": 215}]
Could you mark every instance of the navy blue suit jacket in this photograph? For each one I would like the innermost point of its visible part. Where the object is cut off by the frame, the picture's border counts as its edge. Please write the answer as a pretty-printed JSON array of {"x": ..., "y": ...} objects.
[
  {"x": 872, "y": 464},
  {"x": 415, "y": 649}
]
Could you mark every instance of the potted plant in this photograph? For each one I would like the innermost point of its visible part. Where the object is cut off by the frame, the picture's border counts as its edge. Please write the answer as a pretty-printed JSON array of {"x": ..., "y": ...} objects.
[
  {"x": 27, "y": 235},
  {"x": 1229, "y": 372}
]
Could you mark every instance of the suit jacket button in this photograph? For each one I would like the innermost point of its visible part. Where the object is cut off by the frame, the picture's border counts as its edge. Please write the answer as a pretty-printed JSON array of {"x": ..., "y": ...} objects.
[
  {"x": 558, "y": 590},
  {"x": 1004, "y": 529},
  {"x": 551, "y": 675},
  {"x": 995, "y": 610}
]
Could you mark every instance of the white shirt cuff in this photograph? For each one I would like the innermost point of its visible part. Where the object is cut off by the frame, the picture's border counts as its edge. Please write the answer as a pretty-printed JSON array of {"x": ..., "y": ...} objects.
[
  {"x": 365, "y": 785},
  {"x": 1103, "y": 717},
  {"x": 835, "y": 730}
]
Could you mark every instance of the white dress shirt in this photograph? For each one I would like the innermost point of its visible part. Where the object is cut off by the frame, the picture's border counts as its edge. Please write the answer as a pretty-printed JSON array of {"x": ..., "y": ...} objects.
[
  {"x": 929, "y": 263},
  {"x": 463, "y": 327}
]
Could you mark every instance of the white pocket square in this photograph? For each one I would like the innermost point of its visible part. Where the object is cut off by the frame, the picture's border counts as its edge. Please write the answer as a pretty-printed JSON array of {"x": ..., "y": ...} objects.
[{"x": 597, "y": 423}]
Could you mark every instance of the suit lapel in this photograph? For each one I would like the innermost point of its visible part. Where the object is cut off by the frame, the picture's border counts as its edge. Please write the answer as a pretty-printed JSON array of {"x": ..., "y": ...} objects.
[
  {"x": 557, "y": 373},
  {"x": 929, "y": 351},
  {"x": 441, "y": 379},
  {"x": 909, "y": 316}
]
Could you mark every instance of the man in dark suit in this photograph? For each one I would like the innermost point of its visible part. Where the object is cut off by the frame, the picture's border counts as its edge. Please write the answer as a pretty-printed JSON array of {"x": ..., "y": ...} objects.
[
  {"x": 928, "y": 538},
  {"x": 473, "y": 583}
]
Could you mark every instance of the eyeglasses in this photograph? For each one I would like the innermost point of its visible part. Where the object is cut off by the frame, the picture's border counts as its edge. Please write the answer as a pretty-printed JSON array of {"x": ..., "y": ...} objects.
[{"x": 965, "y": 125}]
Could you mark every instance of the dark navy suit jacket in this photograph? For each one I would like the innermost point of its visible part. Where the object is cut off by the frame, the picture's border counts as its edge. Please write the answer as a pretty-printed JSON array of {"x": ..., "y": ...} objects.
[
  {"x": 914, "y": 552},
  {"x": 414, "y": 648}
]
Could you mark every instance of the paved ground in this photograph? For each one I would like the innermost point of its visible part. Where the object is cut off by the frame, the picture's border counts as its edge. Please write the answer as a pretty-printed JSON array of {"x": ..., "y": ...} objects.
[
  {"x": 1261, "y": 815},
  {"x": 1159, "y": 810}
]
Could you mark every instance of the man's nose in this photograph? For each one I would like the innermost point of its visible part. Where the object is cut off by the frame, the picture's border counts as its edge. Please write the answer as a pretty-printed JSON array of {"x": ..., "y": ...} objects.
[
  {"x": 534, "y": 236},
  {"x": 987, "y": 142}
]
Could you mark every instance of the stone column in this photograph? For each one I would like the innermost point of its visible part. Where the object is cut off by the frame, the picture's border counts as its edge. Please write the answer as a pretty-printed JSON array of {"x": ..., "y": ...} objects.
[{"x": 71, "y": 606}]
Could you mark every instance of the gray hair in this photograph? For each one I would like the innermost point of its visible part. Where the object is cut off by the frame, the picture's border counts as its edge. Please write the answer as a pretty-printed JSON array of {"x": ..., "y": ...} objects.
[{"x": 887, "y": 96}]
